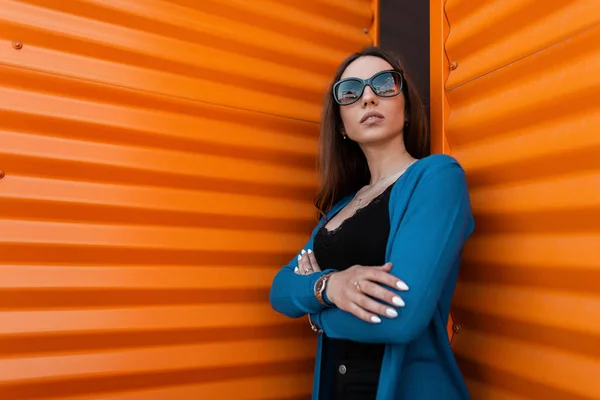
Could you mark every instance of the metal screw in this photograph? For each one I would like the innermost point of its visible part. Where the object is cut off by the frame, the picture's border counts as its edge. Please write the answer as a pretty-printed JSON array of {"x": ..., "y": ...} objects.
[
  {"x": 456, "y": 328},
  {"x": 365, "y": 31},
  {"x": 17, "y": 44},
  {"x": 454, "y": 65},
  {"x": 2, "y": 174}
]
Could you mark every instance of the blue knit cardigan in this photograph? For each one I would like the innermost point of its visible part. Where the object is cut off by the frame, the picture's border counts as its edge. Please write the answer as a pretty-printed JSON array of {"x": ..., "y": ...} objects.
[{"x": 430, "y": 220}]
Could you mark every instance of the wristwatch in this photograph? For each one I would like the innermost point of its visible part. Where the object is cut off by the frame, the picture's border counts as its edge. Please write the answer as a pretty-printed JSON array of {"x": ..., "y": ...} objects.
[{"x": 320, "y": 287}]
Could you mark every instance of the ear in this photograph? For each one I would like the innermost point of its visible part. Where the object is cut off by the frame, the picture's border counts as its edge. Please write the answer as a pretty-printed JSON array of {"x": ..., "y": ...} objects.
[{"x": 343, "y": 131}]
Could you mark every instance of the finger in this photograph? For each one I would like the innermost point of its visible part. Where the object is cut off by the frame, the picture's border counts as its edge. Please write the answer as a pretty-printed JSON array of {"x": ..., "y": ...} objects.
[
  {"x": 386, "y": 278},
  {"x": 374, "y": 307},
  {"x": 385, "y": 267},
  {"x": 313, "y": 261},
  {"x": 377, "y": 291},
  {"x": 306, "y": 257},
  {"x": 297, "y": 269},
  {"x": 361, "y": 313},
  {"x": 305, "y": 267},
  {"x": 306, "y": 263},
  {"x": 300, "y": 268}
]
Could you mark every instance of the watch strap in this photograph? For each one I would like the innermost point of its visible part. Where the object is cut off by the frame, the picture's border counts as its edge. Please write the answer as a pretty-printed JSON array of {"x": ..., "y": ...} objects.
[{"x": 320, "y": 287}]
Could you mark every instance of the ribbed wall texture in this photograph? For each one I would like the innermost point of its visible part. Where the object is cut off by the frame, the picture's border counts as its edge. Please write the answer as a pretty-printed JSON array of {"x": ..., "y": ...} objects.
[
  {"x": 525, "y": 122},
  {"x": 158, "y": 161}
]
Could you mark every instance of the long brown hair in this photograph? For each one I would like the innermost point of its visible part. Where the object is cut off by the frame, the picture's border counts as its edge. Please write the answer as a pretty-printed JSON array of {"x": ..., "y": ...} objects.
[{"x": 341, "y": 163}]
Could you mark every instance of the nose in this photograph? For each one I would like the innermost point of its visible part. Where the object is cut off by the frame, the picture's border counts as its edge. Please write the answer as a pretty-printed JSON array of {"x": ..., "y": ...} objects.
[{"x": 369, "y": 97}]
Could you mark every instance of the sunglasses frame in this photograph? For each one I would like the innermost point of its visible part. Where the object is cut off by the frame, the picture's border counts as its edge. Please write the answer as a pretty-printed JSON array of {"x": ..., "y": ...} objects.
[{"x": 368, "y": 82}]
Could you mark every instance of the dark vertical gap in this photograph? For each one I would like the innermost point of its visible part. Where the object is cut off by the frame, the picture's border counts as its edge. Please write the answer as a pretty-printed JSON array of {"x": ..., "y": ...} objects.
[{"x": 404, "y": 29}]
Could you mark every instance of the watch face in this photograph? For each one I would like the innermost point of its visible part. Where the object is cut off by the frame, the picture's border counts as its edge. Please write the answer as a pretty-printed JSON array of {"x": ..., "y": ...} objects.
[{"x": 319, "y": 286}]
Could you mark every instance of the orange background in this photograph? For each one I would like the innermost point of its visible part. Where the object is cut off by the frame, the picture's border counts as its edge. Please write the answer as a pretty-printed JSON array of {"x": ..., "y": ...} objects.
[
  {"x": 515, "y": 98},
  {"x": 158, "y": 162},
  {"x": 159, "y": 168}
]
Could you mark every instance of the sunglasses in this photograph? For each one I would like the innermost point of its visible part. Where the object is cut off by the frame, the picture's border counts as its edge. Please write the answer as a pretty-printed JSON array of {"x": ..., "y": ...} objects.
[{"x": 387, "y": 83}]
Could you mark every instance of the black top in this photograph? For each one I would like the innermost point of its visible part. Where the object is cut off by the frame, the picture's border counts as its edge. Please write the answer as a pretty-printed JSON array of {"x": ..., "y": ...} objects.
[{"x": 360, "y": 240}]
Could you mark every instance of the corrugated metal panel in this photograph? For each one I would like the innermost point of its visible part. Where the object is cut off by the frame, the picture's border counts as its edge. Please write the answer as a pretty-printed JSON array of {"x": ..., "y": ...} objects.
[
  {"x": 524, "y": 121},
  {"x": 159, "y": 168},
  {"x": 439, "y": 108}
]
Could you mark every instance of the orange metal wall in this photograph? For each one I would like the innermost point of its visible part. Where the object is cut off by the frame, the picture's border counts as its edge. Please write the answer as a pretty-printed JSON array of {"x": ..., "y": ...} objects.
[
  {"x": 158, "y": 168},
  {"x": 520, "y": 110}
]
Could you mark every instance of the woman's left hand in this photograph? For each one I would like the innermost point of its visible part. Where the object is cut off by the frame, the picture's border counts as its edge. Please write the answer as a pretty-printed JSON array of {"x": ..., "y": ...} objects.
[{"x": 307, "y": 263}]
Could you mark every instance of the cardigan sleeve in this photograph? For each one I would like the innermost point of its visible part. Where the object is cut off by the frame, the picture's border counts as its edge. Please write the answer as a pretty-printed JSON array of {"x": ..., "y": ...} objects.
[
  {"x": 293, "y": 294},
  {"x": 425, "y": 248}
]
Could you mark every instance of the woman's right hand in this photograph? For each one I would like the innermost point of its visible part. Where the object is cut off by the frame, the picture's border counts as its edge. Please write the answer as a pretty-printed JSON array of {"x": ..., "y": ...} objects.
[{"x": 350, "y": 289}]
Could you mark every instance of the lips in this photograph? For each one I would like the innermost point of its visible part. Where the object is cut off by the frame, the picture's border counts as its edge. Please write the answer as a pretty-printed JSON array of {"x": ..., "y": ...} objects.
[{"x": 371, "y": 116}]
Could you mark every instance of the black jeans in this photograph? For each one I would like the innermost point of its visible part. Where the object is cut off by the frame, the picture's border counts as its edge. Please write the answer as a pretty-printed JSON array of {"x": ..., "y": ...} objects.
[{"x": 356, "y": 380}]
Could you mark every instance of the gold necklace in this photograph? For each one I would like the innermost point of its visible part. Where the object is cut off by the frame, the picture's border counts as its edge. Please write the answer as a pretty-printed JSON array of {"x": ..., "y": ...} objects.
[{"x": 359, "y": 200}]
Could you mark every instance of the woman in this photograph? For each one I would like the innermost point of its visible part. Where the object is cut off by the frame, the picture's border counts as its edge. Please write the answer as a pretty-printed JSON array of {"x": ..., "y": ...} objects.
[{"x": 377, "y": 275}]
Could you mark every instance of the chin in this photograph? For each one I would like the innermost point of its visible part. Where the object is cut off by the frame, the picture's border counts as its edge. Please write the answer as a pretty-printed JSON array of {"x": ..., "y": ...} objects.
[{"x": 373, "y": 135}]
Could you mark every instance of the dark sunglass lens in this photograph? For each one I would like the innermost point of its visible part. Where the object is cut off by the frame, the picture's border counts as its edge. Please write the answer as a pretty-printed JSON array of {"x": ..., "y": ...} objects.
[
  {"x": 348, "y": 91},
  {"x": 387, "y": 84}
]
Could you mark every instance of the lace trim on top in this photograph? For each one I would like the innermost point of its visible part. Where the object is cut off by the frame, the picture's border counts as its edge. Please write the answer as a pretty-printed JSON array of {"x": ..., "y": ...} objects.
[{"x": 375, "y": 200}]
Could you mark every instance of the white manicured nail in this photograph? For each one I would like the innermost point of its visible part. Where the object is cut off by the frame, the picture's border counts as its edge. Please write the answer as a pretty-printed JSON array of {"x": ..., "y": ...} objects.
[
  {"x": 391, "y": 312},
  {"x": 401, "y": 285},
  {"x": 299, "y": 257},
  {"x": 375, "y": 319},
  {"x": 303, "y": 251},
  {"x": 309, "y": 251},
  {"x": 398, "y": 301},
  {"x": 296, "y": 269}
]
